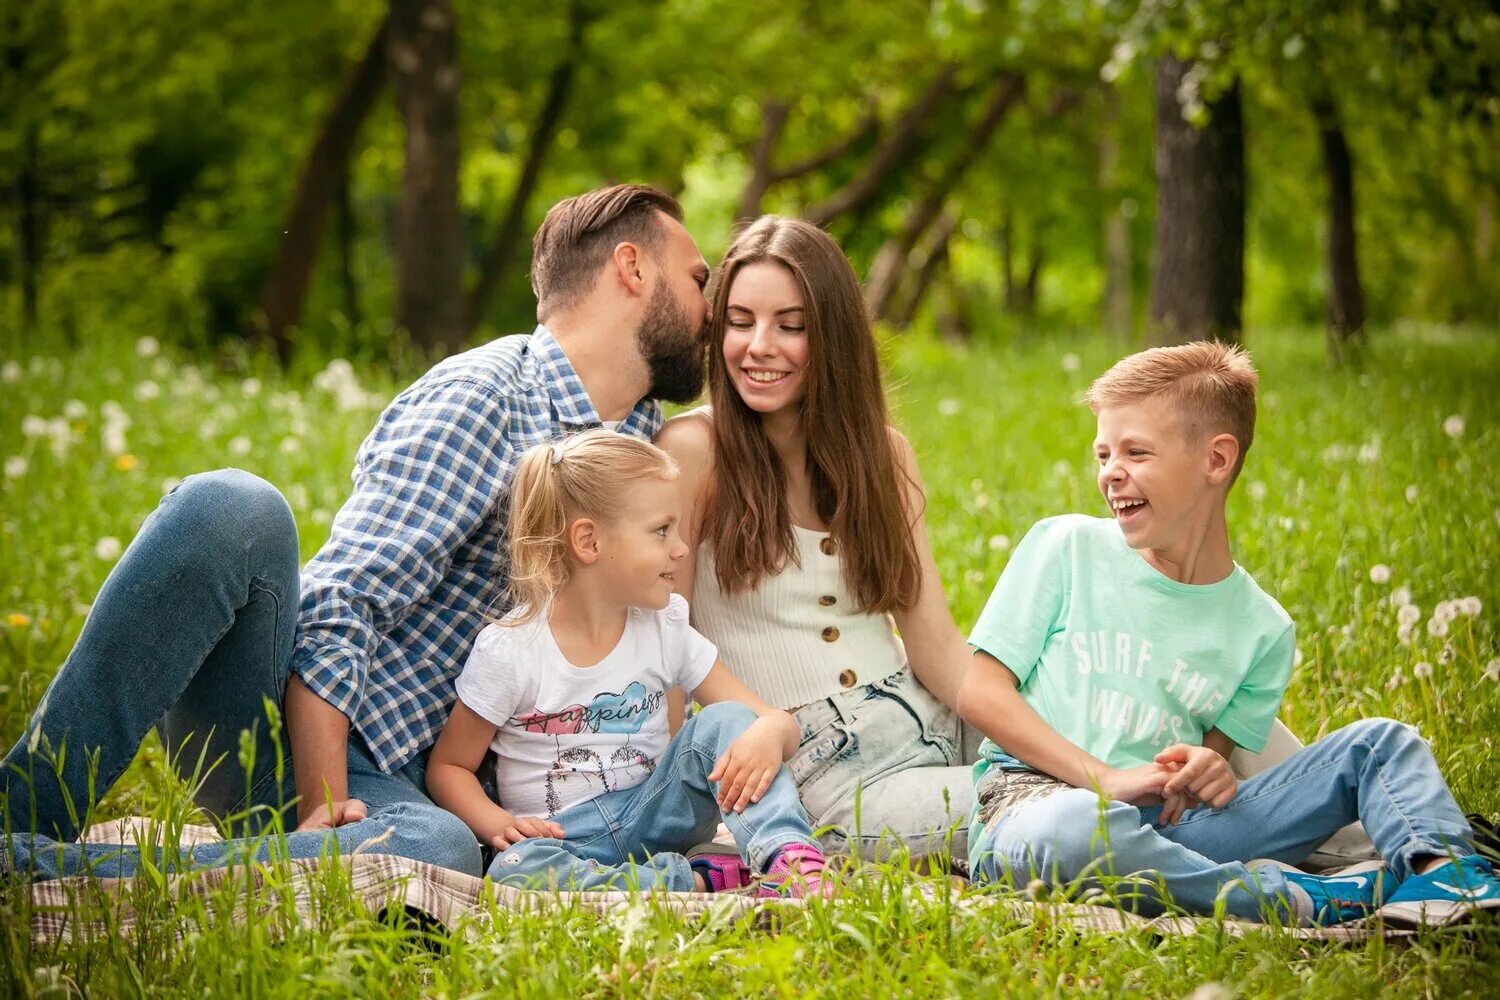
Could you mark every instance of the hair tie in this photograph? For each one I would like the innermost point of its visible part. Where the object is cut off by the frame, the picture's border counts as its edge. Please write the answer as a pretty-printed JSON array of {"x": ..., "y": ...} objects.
[{"x": 557, "y": 453}]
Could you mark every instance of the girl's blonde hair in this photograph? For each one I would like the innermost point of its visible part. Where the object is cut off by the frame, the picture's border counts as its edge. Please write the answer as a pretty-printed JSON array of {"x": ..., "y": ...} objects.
[{"x": 585, "y": 475}]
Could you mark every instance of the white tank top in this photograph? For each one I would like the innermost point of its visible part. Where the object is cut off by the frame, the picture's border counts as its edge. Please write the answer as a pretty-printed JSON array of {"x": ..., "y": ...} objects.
[{"x": 798, "y": 636}]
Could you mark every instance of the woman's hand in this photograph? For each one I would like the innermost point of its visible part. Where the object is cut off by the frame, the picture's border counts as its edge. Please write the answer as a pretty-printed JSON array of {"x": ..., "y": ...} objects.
[{"x": 748, "y": 767}]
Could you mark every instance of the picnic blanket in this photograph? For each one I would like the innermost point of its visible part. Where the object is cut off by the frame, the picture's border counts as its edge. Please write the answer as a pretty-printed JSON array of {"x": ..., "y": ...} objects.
[{"x": 67, "y": 909}]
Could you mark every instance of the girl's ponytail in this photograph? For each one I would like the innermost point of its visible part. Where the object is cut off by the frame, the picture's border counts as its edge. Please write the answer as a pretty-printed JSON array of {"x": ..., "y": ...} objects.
[{"x": 586, "y": 475}]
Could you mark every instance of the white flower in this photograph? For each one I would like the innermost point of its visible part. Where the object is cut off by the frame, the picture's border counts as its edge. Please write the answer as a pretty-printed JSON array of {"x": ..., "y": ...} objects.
[
  {"x": 1422, "y": 670},
  {"x": 1070, "y": 362},
  {"x": 1445, "y": 656},
  {"x": 999, "y": 543},
  {"x": 148, "y": 347},
  {"x": 250, "y": 387},
  {"x": 948, "y": 407},
  {"x": 11, "y": 372},
  {"x": 1492, "y": 670},
  {"x": 1404, "y": 634},
  {"x": 1437, "y": 627},
  {"x": 113, "y": 439},
  {"x": 239, "y": 445},
  {"x": 15, "y": 467},
  {"x": 1408, "y": 614},
  {"x": 982, "y": 500},
  {"x": 1400, "y": 597},
  {"x": 33, "y": 426},
  {"x": 1454, "y": 426},
  {"x": 108, "y": 548},
  {"x": 1469, "y": 606},
  {"x": 290, "y": 445},
  {"x": 1380, "y": 573},
  {"x": 74, "y": 409},
  {"x": 1257, "y": 491},
  {"x": 1446, "y": 611},
  {"x": 1411, "y": 493},
  {"x": 111, "y": 410},
  {"x": 1062, "y": 469},
  {"x": 146, "y": 390},
  {"x": 1369, "y": 454},
  {"x": 1287, "y": 524}
]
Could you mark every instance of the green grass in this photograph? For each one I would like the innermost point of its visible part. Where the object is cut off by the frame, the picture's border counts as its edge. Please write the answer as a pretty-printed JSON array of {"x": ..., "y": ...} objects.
[{"x": 1351, "y": 469}]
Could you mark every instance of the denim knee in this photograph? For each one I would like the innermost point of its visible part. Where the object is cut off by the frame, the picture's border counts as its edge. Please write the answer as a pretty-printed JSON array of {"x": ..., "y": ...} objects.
[
  {"x": 431, "y": 834},
  {"x": 725, "y": 718},
  {"x": 1055, "y": 838},
  {"x": 230, "y": 511}
]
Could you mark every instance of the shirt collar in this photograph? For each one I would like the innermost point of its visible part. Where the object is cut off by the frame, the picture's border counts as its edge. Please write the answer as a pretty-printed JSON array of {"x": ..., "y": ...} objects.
[{"x": 570, "y": 400}]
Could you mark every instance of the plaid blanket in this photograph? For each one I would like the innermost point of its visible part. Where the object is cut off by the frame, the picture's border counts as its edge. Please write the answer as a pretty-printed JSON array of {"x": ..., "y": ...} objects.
[{"x": 81, "y": 907}]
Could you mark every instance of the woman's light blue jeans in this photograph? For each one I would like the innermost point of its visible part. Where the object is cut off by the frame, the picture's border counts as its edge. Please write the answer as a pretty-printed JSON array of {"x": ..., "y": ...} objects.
[
  {"x": 191, "y": 634},
  {"x": 633, "y": 838},
  {"x": 1377, "y": 771}
]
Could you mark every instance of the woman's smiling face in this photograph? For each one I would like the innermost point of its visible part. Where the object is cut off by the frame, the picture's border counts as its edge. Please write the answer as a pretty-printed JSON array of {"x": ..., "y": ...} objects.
[{"x": 765, "y": 337}]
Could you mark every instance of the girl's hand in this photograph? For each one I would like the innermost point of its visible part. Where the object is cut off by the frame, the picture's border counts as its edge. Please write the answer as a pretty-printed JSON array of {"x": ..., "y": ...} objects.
[
  {"x": 514, "y": 829},
  {"x": 1202, "y": 777},
  {"x": 1137, "y": 786},
  {"x": 750, "y": 764}
]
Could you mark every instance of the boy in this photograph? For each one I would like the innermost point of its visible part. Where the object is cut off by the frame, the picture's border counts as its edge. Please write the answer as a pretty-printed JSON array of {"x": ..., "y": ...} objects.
[{"x": 1129, "y": 659}]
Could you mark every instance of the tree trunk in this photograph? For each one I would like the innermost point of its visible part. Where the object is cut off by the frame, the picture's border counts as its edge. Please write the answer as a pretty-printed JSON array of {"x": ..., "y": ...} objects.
[
  {"x": 905, "y": 132},
  {"x": 29, "y": 222},
  {"x": 1346, "y": 297},
  {"x": 890, "y": 264},
  {"x": 503, "y": 252},
  {"x": 345, "y": 236},
  {"x": 429, "y": 230},
  {"x": 773, "y": 116},
  {"x": 324, "y": 174},
  {"x": 935, "y": 258},
  {"x": 1008, "y": 259},
  {"x": 1116, "y": 306},
  {"x": 1198, "y": 274}
]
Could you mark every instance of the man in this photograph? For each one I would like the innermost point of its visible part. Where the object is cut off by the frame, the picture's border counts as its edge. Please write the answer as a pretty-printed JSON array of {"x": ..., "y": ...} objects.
[{"x": 195, "y": 630}]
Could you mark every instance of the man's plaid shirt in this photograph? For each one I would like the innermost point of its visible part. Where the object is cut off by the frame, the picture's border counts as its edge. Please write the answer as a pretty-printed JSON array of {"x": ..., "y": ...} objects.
[{"x": 394, "y": 600}]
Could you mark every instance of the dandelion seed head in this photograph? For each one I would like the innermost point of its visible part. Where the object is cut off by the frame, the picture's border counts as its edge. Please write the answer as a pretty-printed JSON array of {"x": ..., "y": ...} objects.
[
  {"x": 108, "y": 548},
  {"x": 147, "y": 390},
  {"x": 1454, "y": 426},
  {"x": 148, "y": 347},
  {"x": 1411, "y": 493},
  {"x": 1445, "y": 656},
  {"x": 1380, "y": 573},
  {"x": 1437, "y": 627},
  {"x": 1070, "y": 362},
  {"x": 1400, "y": 597},
  {"x": 1492, "y": 671},
  {"x": 11, "y": 372},
  {"x": 33, "y": 426},
  {"x": 15, "y": 467},
  {"x": 1470, "y": 606},
  {"x": 1062, "y": 469},
  {"x": 239, "y": 445},
  {"x": 1398, "y": 678},
  {"x": 1408, "y": 614},
  {"x": 999, "y": 543},
  {"x": 949, "y": 407},
  {"x": 1404, "y": 634},
  {"x": 1257, "y": 490},
  {"x": 75, "y": 409},
  {"x": 250, "y": 387},
  {"x": 1422, "y": 670}
]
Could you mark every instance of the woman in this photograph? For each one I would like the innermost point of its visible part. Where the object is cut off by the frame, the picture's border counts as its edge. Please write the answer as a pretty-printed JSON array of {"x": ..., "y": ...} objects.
[{"x": 804, "y": 508}]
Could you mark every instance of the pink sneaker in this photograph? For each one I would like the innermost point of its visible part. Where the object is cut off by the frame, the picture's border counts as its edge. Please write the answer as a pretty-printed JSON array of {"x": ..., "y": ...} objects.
[
  {"x": 720, "y": 866},
  {"x": 798, "y": 871}
]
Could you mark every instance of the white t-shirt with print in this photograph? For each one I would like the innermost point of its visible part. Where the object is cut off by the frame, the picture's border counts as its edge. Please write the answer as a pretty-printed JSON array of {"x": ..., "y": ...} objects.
[{"x": 567, "y": 734}]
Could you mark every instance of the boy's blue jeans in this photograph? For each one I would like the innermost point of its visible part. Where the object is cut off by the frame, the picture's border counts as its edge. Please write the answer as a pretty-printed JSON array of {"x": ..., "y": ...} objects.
[
  {"x": 632, "y": 838},
  {"x": 1377, "y": 771},
  {"x": 190, "y": 634}
]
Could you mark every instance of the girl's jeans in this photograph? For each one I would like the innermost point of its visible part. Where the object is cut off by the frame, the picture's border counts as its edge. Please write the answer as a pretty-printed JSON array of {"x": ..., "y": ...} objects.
[
  {"x": 1377, "y": 771},
  {"x": 633, "y": 838},
  {"x": 192, "y": 634},
  {"x": 878, "y": 768}
]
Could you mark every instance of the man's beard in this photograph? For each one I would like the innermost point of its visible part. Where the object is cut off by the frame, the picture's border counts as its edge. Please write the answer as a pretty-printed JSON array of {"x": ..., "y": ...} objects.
[{"x": 673, "y": 348}]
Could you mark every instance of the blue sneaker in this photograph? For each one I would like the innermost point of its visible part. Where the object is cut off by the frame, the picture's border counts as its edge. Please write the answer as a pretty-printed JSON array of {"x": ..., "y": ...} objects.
[
  {"x": 1321, "y": 900},
  {"x": 1467, "y": 882}
]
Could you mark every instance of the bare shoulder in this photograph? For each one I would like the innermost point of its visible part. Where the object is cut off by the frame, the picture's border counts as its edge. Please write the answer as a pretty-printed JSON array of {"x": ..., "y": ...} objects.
[
  {"x": 688, "y": 436},
  {"x": 901, "y": 448}
]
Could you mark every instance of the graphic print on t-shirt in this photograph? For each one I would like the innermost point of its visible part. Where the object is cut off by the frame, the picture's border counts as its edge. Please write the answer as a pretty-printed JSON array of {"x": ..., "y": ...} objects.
[{"x": 624, "y": 712}]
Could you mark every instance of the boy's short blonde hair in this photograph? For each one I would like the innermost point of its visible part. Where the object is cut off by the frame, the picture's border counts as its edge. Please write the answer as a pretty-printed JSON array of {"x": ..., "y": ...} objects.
[{"x": 1211, "y": 384}]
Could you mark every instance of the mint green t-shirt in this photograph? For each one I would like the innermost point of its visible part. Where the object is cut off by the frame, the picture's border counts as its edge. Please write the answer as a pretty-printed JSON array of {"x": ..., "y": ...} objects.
[{"x": 1124, "y": 661}]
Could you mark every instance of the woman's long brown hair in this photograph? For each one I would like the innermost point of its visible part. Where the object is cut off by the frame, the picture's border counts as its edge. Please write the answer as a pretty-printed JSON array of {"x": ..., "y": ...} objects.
[{"x": 858, "y": 486}]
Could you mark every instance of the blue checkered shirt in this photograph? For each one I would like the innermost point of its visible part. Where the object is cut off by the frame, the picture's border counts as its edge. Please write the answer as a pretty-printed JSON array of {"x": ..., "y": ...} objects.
[{"x": 416, "y": 560}]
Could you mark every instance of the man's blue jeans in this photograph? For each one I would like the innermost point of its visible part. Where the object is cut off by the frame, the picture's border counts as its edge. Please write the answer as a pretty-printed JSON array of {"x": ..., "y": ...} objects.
[
  {"x": 191, "y": 633},
  {"x": 1376, "y": 771},
  {"x": 633, "y": 838}
]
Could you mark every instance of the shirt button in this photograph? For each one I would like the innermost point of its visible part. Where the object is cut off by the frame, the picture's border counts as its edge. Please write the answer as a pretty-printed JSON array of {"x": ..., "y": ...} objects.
[
  {"x": 848, "y": 679},
  {"x": 828, "y": 546},
  {"x": 830, "y": 634},
  {"x": 828, "y": 600}
]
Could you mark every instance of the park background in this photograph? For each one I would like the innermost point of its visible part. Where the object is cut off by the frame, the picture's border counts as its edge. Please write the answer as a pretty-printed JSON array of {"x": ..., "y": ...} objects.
[{"x": 230, "y": 232}]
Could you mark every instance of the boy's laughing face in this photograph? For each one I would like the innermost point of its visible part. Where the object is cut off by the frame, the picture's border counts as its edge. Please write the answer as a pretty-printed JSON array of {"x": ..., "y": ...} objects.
[{"x": 1161, "y": 486}]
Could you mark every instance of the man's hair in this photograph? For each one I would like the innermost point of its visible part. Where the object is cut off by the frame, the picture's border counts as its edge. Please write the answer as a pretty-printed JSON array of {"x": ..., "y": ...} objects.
[
  {"x": 580, "y": 233},
  {"x": 1212, "y": 386}
]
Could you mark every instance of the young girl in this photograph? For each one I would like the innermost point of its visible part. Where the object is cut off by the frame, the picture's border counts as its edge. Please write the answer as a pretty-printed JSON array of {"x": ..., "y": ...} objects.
[{"x": 569, "y": 690}]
